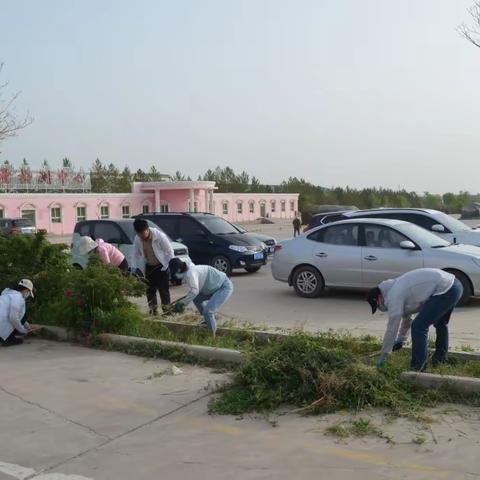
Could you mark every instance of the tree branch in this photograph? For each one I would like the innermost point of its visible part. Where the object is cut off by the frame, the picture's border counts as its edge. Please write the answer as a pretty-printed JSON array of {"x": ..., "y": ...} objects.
[{"x": 472, "y": 33}]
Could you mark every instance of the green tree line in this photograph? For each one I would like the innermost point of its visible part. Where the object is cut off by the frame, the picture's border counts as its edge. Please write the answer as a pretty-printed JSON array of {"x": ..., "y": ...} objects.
[{"x": 108, "y": 178}]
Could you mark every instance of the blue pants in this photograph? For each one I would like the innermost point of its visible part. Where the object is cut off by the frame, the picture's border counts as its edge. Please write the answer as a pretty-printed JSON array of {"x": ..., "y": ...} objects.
[
  {"x": 207, "y": 305},
  {"x": 436, "y": 311}
]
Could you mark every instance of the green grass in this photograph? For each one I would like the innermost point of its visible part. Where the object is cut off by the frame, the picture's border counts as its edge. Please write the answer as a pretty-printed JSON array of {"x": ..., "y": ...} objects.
[
  {"x": 325, "y": 374},
  {"x": 361, "y": 427}
]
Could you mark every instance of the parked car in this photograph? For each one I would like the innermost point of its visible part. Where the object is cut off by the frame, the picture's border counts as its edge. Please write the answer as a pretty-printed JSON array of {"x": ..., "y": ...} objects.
[
  {"x": 17, "y": 226},
  {"x": 270, "y": 242},
  {"x": 361, "y": 253},
  {"x": 212, "y": 240},
  {"x": 324, "y": 218},
  {"x": 118, "y": 232},
  {"x": 439, "y": 223}
]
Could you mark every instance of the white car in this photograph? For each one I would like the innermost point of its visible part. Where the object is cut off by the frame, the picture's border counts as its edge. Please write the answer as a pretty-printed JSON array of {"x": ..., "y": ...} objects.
[
  {"x": 117, "y": 232},
  {"x": 362, "y": 253},
  {"x": 439, "y": 223}
]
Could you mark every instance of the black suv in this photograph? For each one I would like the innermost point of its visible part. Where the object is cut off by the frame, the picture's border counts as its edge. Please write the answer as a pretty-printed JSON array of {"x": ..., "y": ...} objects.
[{"x": 211, "y": 240}]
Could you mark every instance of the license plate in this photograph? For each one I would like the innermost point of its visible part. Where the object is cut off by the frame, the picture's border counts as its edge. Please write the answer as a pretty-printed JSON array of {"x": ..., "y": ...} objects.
[{"x": 258, "y": 256}]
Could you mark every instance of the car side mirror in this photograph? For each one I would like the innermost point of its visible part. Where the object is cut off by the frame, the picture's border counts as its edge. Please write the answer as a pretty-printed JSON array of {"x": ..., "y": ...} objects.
[
  {"x": 438, "y": 228},
  {"x": 407, "y": 245}
]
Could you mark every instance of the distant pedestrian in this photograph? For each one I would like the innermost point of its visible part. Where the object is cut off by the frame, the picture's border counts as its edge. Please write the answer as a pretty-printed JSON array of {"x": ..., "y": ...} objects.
[
  {"x": 296, "y": 226},
  {"x": 430, "y": 292},
  {"x": 152, "y": 254},
  {"x": 109, "y": 254},
  {"x": 209, "y": 289},
  {"x": 12, "y": 311}
]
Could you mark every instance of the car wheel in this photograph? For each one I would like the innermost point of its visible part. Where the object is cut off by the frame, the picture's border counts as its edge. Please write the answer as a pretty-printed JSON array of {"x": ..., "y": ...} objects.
[
  {"x": 467, "y": 287},
  {"x": 223, "y": 264},
  {"x": 252, "y": 269},
  {"x": 308, "y": 282}
]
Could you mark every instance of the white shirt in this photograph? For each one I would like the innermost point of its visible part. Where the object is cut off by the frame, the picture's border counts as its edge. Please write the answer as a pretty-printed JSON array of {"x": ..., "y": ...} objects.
[
  {"x": 405, "y": 295},
  {"x": 161, "y": 247},
  {"x": 202, "y": 279},
  {"x": 12, "y": 310}
]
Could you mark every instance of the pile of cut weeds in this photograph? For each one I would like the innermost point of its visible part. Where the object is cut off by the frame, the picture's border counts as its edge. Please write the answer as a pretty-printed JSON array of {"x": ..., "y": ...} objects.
[{"x": 325, "y": 373}]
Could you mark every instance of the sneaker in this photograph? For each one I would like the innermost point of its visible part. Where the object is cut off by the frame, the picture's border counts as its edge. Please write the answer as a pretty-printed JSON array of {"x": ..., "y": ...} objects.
[{"x": 203, "y": 323}]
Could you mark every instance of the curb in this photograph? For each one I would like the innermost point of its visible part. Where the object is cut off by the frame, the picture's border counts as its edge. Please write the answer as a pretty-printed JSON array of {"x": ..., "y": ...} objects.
[
  {"x": 203, "y": 352},
  {"x": 435, "y": 381},
  {"x": 224, "y": 355}
]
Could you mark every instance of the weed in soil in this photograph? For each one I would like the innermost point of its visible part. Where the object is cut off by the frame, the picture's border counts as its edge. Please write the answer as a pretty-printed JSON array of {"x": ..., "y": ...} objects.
[
  {"x": 325, "y": 373},
  {"x": 360, "y": 427}
]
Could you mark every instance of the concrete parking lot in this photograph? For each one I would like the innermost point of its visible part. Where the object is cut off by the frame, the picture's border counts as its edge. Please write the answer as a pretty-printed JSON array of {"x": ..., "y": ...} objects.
[{"x": 71, "y": 413}]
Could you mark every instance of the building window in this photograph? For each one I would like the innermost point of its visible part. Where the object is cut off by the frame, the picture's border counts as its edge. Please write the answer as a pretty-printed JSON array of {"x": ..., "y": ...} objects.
[
  {"x": 146, "y": 208},
  {"x": 81, "y": 214},
  {"x": 252, "y": 207},
  {"x": 126, "y": 211},
  {"x": 240, "y": 208},
  {"x": 104, "y": 212},
  {"x": 1, "y": 213},
  {"x": 195, "y": 207},
  {"x": 292, "y": 205},
  {"x": 225, "y": 208},
  {"x": 163, "y": 208},
  {"x": 282, "y": 204},
  {"x": 56, "y": 214},
  {"x": 273, "y": 206},
  {"x": 30, "y": 215}
]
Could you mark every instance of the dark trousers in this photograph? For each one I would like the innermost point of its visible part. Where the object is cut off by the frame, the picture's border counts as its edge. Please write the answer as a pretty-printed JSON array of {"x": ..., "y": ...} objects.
[
  {"x": 436, "y": 311},
  {"x": 124, "y": 266},
  {"x": 157, "y": 280},
  {"x": 296, "y": 231}
]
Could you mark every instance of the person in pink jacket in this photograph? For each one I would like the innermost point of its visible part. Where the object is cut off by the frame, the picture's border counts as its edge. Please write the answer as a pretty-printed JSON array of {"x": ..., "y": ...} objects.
[{"x": 108, "y": 253}]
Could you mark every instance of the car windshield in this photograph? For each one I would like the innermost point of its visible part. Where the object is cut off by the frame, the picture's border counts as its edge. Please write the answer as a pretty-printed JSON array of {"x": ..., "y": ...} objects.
[
  {"x": 217, "y": 225},
  {"x": 130, "y": 231},
  {"x": 23, "y": 222},
  {"x": 451, "y": 223},
  {"x": 239, "y": 228},
  {"x": 421, "y": 236}
]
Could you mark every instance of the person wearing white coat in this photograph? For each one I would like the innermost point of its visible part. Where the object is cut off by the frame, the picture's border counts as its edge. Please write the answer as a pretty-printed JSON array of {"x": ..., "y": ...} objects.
[
  {"x": 12, "y": 311},
  {"x": 152, "y": 252}
]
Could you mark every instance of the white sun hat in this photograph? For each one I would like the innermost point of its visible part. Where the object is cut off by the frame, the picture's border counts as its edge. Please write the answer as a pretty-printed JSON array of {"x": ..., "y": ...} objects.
[
  {"x": 86, "y": 245},
  {"x": 26, "y": 283}
]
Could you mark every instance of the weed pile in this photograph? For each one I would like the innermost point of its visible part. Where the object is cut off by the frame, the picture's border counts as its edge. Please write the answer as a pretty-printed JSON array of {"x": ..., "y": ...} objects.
[{"x": 321, "y": 374}]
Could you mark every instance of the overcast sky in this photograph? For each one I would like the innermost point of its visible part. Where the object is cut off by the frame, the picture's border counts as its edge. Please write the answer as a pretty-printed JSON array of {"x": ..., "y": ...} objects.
[{"x": 340, "y": 92}]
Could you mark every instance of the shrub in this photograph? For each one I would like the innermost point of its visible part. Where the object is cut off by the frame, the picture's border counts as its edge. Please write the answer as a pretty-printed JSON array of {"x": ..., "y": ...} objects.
[{"x": 89, "y": 301}]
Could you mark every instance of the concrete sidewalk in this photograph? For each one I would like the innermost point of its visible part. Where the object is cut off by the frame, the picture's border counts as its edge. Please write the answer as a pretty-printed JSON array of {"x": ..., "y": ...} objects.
[{"x": 71, "y": 413}]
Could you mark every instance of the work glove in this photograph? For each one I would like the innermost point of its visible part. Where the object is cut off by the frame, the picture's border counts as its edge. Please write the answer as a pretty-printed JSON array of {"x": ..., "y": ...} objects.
[
  {"x": 381, "y": 361},
  {"x": 397, "y": 345},
  {"x": 179, "y": 307}
]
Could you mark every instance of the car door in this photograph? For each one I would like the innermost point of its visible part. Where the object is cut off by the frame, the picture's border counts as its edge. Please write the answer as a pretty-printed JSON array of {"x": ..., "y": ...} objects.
[
  {"x": 195, "y": 237},
  {"x": 382, "y": 257},
  {"x": 337, "y": 254}
]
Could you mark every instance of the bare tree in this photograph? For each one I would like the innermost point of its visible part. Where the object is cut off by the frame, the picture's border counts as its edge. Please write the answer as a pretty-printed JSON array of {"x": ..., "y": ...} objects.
[
  {"x": 472, "y": 32},
  {"x": 10, "y": 123}
]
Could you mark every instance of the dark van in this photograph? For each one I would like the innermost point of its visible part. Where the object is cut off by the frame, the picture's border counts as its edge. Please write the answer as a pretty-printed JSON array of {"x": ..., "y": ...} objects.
[{"x": 211, "y": 240}]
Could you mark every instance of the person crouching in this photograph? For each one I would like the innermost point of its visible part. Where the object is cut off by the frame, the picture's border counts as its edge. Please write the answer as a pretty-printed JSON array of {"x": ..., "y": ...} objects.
[
  {"x": 208, "y": 288},
  {"x": 12, "y": 311},
  {"x": 107, "y": 253}
]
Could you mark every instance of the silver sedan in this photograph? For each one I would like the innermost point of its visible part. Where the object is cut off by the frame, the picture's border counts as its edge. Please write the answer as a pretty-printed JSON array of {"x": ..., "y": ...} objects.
[{"x": 362, "y": 253}]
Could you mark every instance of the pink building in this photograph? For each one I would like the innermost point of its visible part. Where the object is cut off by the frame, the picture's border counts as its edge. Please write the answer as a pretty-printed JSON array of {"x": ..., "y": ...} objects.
[{"x": 58, "y": 212}]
